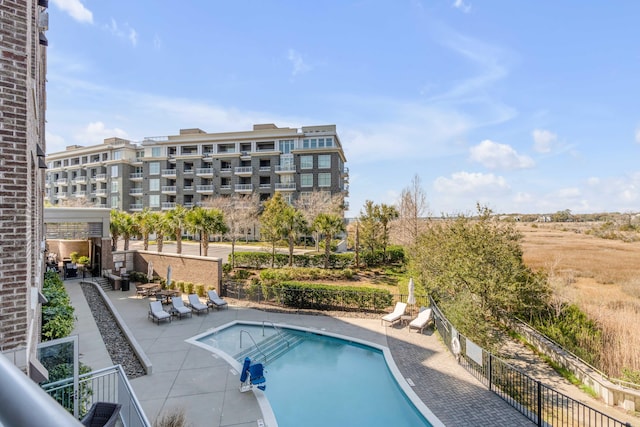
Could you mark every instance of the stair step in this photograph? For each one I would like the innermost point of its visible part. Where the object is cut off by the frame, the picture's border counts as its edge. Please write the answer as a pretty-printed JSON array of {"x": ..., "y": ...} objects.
[{"x": 271, "y": 348}]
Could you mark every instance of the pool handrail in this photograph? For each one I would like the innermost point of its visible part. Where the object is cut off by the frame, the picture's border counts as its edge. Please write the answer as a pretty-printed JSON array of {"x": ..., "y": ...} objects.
[
  {"x": 278, "y": 331},
  {"x": 254, "y": 343}
]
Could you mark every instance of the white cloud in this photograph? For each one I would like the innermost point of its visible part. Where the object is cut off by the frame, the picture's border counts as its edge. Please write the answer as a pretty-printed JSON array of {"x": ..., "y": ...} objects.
[
  {"x": 471, "y": 183},
  {"x": 543, "y": 140},
  {"x": 54, "y": 140},
  {"x": 124, "y": 32},
  {"x": 499, "y": 156},
  {"x": 96, "y": 132},
  {"x": 157, "y": 42},
  {"x": 299, "y": 66},
  {"x": 461, "y": 5},
  {"x": 75, "y": 9}
]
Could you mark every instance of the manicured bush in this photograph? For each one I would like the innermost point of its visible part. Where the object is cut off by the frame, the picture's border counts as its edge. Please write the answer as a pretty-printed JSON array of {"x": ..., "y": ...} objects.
[
  {"x": 57, "y": 312},
  {"x": 199, "y": 289},
  {"x": 180, "y": 286},
  {"x": 273, "y": 275},
  {"x": 259, "y": 260},
  {"x": 188, "y": 288},
  {"x": 242, "y": 274}
]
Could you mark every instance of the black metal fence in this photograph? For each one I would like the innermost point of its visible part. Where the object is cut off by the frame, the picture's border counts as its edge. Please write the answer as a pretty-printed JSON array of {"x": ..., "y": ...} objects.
[{"x": 538, "y": 402}]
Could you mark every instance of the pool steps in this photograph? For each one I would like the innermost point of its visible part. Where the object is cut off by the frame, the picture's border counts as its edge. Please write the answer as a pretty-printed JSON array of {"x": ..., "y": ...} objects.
[{"x": 271, "y": 348}]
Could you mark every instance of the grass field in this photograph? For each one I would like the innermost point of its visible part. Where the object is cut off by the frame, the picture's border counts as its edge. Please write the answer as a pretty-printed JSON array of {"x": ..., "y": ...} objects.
[{"x": 601, "y": 276}]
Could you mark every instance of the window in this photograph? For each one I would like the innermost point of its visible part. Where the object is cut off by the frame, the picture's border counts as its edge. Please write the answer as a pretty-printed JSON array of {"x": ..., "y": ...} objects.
[
  {"x": 156, "y": 151},
  {"x": 114, "y": 201},
  {"x": 324, "y": 180},
  {"x": 328, "y": 142},
  {"x": 324, "y": 161},
  {"x": 306, "y": 162},
  {"x": 154, "y": 201},
  {"x": 154, "y": 168},
  {"x": 286, "y": 145},
  {"x": 154, "y": 185},
  {"x": 114, "y": 171},
  {"x": 117, "y": 155},
  {"x": 114, "y": 186},
  {"x": 306, "y": 180}
]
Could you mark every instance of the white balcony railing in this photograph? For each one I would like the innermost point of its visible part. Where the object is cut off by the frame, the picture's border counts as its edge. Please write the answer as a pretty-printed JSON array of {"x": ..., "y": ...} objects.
[
  {"x": 285, "y": 169},
  {"x": 244, "y": 170},
  {"x": 137, "y": 176},
  {"x": 101, "y": 177},
  {"x": 135, "y": 191},
  {"x": 204, "y": 188},
  {"x": 136, "y": 207},
  {"x": 204, "y": 171},
  {"x": 168, "y": 205},
  {"x": 169, "y": 172},
  {"x": 287, "y": 186},
  {"x": 168, "y": 189},
  {"x": 243, "y": 187}
]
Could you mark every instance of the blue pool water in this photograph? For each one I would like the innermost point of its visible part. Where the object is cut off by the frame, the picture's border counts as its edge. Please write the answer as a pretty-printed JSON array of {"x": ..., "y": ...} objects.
[{"x": 325, "y": 381}]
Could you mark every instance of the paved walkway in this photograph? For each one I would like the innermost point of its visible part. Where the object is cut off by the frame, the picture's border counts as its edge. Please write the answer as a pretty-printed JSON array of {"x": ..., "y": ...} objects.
[{"x": 188, "y": 378}]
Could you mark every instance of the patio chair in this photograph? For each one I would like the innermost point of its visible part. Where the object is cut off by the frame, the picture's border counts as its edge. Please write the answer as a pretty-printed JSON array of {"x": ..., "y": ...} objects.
[
  {"x": 157, "y": 313},
  {"x": 102, "y": 414},
  {"x": 179, "y": 309},
  {"x": 423, "y": 319},
  {"x": 196, "y": 305},
  {"x": 252, "y": 375},
  {"x": 215, "y": 301},
  {"x": 396, "y": 315}
]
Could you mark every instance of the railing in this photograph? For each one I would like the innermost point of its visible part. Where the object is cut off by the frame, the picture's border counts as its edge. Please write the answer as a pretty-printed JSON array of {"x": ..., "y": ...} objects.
[
  {"x": 169, "y": 172},
  {"x": 204, "y": 171},
  {"x": 104, "y": 385},
  {"x": 538, "y": 402},
  {"x": 243, "y": 187},
  {"x": 275, "y": 328},
  {"x": 204, "y": 188},
  {"x": 244, "y": 169},
  {"x": 168, "y": 188},
  {"x": 286, "y": 186},
  {"x": 168, "y": 205},
  {"x": 136, "y": 175},
  {"x": 136, "y": 191},
  {"x": 101, "y": 177},
  {"x": 285, "y": 168},
  {"x": 254, "y": 342}
]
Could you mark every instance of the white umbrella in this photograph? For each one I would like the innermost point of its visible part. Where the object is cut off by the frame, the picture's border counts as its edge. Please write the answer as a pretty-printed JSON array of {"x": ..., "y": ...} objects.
[
  {"x": 150, "y": 271},
  {"x": 412, "y": 298},
  {"x": 168, "y": 276}
]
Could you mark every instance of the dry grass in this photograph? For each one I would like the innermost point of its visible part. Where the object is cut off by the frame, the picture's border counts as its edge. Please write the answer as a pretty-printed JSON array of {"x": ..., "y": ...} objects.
[{"x": 601, "y": 276}]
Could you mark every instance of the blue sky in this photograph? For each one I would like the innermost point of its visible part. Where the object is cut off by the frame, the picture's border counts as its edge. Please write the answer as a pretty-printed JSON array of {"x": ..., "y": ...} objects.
[{"x": 524, "y": 107}]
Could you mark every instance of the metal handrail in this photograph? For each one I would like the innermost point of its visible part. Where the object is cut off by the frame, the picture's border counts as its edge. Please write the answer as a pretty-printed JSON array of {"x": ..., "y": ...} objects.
[
  {"x": 254, "y": 343},
  {"x": 278, "y": 331}
]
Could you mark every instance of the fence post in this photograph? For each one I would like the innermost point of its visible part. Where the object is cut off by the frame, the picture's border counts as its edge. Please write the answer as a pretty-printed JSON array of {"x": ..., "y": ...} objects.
[
  {"x": 539, "y": 403},
  {"x": 490, "y": 372}
]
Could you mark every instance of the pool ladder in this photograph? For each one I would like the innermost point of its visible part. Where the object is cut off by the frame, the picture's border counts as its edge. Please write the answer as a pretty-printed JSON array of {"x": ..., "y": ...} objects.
[{"x": 269, "y": 349}]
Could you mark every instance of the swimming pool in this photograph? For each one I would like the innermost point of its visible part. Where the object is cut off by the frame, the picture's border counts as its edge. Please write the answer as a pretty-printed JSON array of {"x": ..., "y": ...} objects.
[{"x": 321, "y": 379}]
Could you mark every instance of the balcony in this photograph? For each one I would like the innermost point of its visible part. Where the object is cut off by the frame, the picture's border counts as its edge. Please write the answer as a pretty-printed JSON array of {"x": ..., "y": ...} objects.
[
  {"x": 187, "y": 188},
  {"x": 168, "y": 205},
  {"x": 80, "y": 194},
  {"x": 244, "y": 155},
  {"x": 100, "y": 205},
  {"x": 101, "y": 192},
  {"x": 265, "y": 187},
  {"x": 188, "y": 171},
  {"x": 265, "y": 169},
  {"x": 136, "y": 192},
  {"x": 136, "y": 207},
  {"x": 169, "y": 172},
  {"x": 280, "y": 169},
  {"x": 101, "y": 177},
  {"x": 244, "y": 170},
  {"x": 168, "y": 189},
  {"x": 226, "y": 187},
  {"x": 205, "y": 172},
  {"x": 47, "y": 184},
  {"x": 62, "y": 181},
  {"x": 204, "y": 188},
  {"x": 188, "y": 205},
  {"x": 79, "y": 180},
  {"x": 137, "y": 176},
  {"x": 225, "y": 171},
  {"x": 243, "y": 188},
  {"x": 285, "y": 186},
  {"x": 61, "y": 196}
]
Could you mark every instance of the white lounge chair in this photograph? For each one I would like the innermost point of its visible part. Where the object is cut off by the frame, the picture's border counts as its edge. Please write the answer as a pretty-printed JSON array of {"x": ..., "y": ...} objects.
[
  {"x": 196, "y": 305},
  {"x": 179, "y": 309},
  {"x": 215, "y": 301},
  {"x": 396, "y": 315},
  {"x": 156, "y": 312},
  {"x": 423, "y": 319}
]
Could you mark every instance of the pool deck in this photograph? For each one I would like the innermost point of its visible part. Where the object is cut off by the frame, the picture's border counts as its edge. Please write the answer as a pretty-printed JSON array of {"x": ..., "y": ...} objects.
[{"x": 189, "y": 378}]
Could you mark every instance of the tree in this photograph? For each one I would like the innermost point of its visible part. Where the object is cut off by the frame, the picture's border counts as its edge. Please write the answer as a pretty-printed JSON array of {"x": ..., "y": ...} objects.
[
  {"x": 117, "y": 224},
  {"x": 128, "y": 228},
  {"x": 145, "y": 221},
  {"x": 328, "y": 225},
  {"x": 386, "y": 214},
  {"x": 271, "y": 222},
  {"x": 313, "y": 203},
  {"x": 375, "y": 225},
  {"x": 294, "y": 225},
  {"x": 474, "y": 268},
  {"x": 240, "y": 211},
  {"x": 176, "y": 222},
  {"x": 205, "y": 222},
  {"x": 161, "y": 227},
  {"x": 412, "y": 209}
]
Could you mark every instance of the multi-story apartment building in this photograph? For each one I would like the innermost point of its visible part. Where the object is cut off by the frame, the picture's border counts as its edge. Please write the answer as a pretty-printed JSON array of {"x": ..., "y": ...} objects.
[
  {"x": 22, "y": 147},
  {"x": 190, "y": 168}
]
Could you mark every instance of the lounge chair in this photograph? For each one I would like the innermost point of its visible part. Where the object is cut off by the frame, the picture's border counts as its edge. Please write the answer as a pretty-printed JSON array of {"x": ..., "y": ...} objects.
[
  {"x": 396, "y": 315},
  {"x": 423, "y": 319},
  {"x": 156, "y": 313},
  {"x": 196, "y": 305},
  {"x": 179, "y": 309},
  {"x": 103, "y": 414},
  {"x": 215, "y": 301}
]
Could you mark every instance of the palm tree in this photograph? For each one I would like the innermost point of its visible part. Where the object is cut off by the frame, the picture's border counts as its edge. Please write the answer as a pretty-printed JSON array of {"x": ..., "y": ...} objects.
[
  {"x": 129, "y": 228},
  {"x": 161, "y": 227},
  {"x": 144, "y": 219},
  {"x": 176, "y": 220},
  {"x": 329, "y": 225},
  {"x": 294, "y": 225},
  {"x": 205, "y": 222},
  {"x": 116, "y": 227}
]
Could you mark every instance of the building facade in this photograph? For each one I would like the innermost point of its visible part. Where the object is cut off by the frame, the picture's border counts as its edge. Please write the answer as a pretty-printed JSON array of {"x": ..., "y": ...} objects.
[
  {"x": 22, "y": 147},
  {"x": 190, "y": 168}
]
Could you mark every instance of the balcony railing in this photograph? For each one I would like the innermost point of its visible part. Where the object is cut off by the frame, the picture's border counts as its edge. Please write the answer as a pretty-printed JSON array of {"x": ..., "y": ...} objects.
[
  {"x": 136, "y": 176},
  {"x": 265, "y": 169},
  {"x": 80, "y": 194},
  {"x": 204, "y": 172},
  {"x": 135, "y": 191},
  {"x": 240, "y": 188},
  {"x": 169, "y": 172},
  {"x": 168, "y": 189},
  {"x": 79, "y": 180},
  {"x": 285, "y": 168},
  {"x": 286, "y": 186},
  {"x": 204, "y": 188},
  {"x": 244, "y": 170},
  {"x": 187, "y": 188},
  {"x": 101, "y": 192},
  {"x": 168, "y": 205},
  {"x": 136, "y": 206},
  {"x": 225, "y": 187},
  {"x": 225, "y": 171},
  {"x": 265, "y": 186},
  {"x": 62, "y": 181},
  {"x": 101, "y": 177}
]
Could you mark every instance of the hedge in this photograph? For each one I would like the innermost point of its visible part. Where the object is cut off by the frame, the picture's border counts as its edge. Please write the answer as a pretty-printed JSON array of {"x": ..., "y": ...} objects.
[
  {"x": 259, "y": 260},
  {"x": 274, "y": 275},
  {"x": 57, "y": 312},
  {"x": 309, "y": 295}
]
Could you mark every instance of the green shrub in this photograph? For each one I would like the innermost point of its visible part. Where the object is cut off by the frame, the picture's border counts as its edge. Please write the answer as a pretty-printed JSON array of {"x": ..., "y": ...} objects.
[
  {"x": 242, "y": 274},
  {"x": 57, "y": 312},
  {"x": 136, "y": 276},
  {"x": 199, "y": 289},
  {"x": 260, "y": 260},
  {"x": 188, "y": 288}
]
